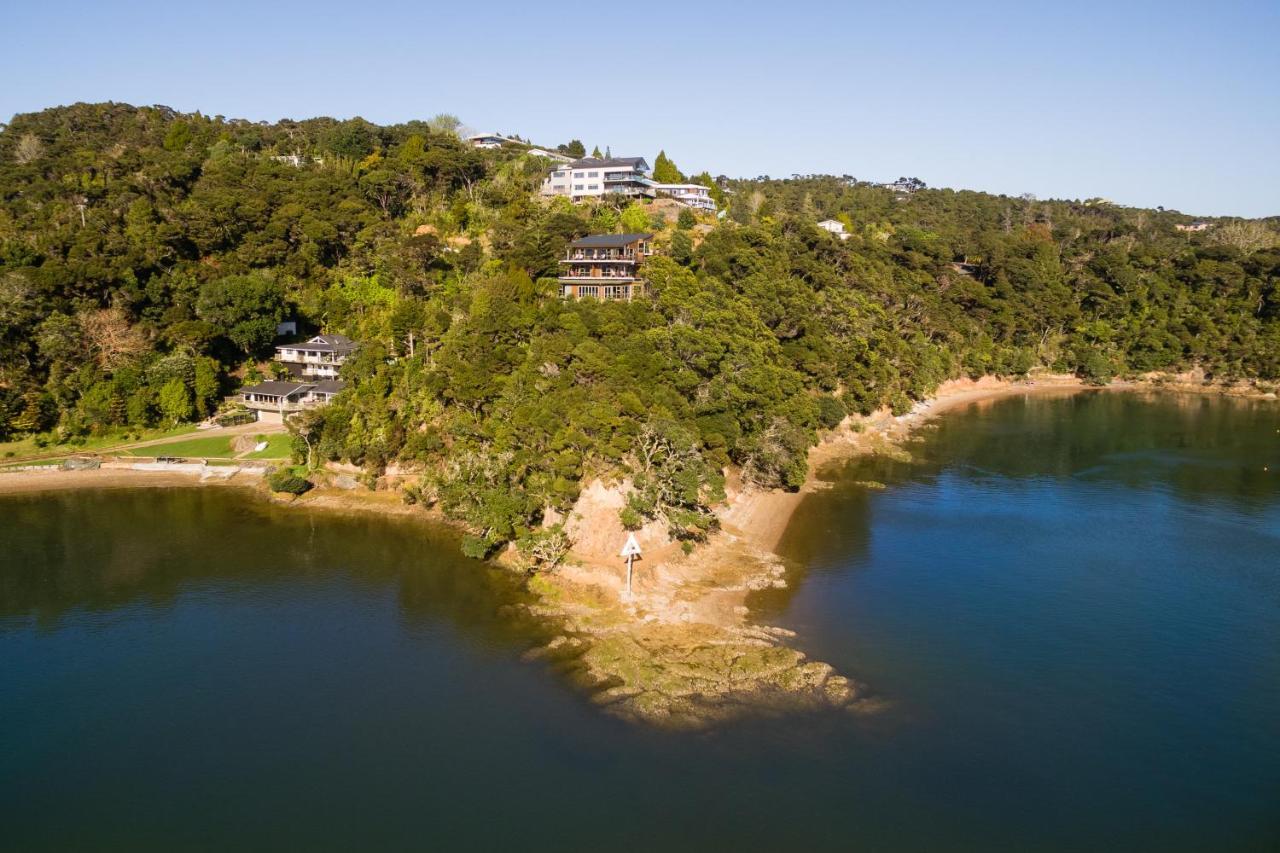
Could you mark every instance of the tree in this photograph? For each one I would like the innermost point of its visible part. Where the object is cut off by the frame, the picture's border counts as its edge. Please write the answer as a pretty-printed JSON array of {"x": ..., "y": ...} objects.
[
  {"x": 175, "y": 401},
  {"x": 686, "y": 220},
  {"x": 665, "y": 171},
  {"x": 444, "y": 123},
  {"x": 245, "y": 308},
  {"x": 28, "y": 150},
  {"x": 573, "y": 148},
  {"x": 634, "y": 219},
  {"x": 178, "y": 136},
  {"x": 595, "y": 152}
]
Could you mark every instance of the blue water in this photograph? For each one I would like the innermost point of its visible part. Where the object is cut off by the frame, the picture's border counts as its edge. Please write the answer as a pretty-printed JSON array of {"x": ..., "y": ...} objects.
[{"x": 1070, "y": 607}]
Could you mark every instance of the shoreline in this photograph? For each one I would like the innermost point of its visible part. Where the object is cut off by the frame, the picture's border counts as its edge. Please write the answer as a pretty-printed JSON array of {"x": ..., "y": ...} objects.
[{"x": 683, "y": 650}]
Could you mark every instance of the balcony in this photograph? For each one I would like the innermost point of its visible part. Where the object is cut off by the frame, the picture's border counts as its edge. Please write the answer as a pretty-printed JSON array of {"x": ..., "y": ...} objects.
[{"x": 598, "y": 255}]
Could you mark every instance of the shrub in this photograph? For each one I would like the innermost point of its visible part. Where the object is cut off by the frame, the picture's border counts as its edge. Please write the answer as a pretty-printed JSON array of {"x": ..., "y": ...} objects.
[
  {"x": 830, "y": 412},
  {"x": 284, "y": 480}
]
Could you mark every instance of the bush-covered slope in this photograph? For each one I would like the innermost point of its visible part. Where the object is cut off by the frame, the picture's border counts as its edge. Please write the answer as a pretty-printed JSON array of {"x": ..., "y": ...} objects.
[{"x": 146, "y": 257}]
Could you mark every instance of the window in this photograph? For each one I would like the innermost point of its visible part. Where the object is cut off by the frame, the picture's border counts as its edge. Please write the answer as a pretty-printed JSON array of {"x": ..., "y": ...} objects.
[
  {"x": 593, "y": 174},
  {"x": 557, "y": 174},
  {"x": 579, "y": 174},
  {"x": 594, "y": 187},
  {"x": 577, "y": 186}
]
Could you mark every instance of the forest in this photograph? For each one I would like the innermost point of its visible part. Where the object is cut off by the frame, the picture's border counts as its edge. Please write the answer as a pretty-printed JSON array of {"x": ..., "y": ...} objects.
[{"x": 147, "y": 256}]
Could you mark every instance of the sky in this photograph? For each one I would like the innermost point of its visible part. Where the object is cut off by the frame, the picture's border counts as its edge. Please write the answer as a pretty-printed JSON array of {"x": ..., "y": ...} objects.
[{"x": 1148, "y": 104}]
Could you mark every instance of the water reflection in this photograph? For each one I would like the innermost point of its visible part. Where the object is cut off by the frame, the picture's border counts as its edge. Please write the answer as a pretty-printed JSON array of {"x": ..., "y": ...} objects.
[{"x": 99, "y": 551}]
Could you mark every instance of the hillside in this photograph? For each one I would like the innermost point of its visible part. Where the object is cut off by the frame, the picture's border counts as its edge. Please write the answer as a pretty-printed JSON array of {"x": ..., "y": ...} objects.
[{"x": 147, "y": 256}]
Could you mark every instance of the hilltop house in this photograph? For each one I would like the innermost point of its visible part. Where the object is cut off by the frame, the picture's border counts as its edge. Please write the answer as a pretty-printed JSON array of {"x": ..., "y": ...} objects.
[
  {"x": 487, "y": 140},
  {"x": 595, "y": 177},
  {"x": 835, "y": 226},
  {"x": 550, "y": 155},
  {"x": 690, "y": 195},
  {"x": 605, "y": 266},
  {"x": 313, "y": 369},
  {"x": 1193, "y": 227}
]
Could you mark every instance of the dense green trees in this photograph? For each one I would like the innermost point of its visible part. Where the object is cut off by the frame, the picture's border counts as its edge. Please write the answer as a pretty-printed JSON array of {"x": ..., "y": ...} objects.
[
  {"x": 665, "y": 171},
  {"x": 146, "y": 255}
]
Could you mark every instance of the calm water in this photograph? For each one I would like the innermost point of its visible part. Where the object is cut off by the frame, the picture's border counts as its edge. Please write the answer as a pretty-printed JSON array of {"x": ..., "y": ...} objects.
[{"x": 1072, "y": 607}]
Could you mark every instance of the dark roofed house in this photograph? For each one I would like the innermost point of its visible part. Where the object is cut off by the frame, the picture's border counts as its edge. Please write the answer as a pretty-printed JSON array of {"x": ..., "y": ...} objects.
[
  {"x": 313, "y": 378},
  {"x": 605, "y": 266}
]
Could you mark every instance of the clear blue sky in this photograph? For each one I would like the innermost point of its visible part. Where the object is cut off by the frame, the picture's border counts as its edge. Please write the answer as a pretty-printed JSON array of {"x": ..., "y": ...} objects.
[{"x": 1174, "y": 104}]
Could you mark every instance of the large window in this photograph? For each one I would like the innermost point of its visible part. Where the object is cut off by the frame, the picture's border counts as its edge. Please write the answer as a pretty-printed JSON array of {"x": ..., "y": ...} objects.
[
  {"x": 593, "y": 174},
  {"x": 557, "y": 174}
]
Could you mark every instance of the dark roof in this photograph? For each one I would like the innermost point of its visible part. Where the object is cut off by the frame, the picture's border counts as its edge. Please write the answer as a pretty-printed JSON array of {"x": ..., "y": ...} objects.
[
  {"x": 608, "y": 241},
  {"x": 329, "y": 386},
  {"x": 324, "y": 343},
  {"x": 276, "y": 389},
  {"x": 606, "y": 162}
]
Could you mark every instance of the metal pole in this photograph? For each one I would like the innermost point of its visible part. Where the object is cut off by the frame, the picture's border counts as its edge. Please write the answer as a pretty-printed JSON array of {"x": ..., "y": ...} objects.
[{"x": 630, "y": 557}]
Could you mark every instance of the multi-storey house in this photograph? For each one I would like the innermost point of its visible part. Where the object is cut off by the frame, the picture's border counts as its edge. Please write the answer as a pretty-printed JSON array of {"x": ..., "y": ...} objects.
[
  {"x": 605, "y": 266},
  {"x": 596, "y": 177}
]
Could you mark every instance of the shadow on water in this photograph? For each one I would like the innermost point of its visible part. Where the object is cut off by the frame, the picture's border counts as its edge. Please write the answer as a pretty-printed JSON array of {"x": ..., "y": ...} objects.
[{"x": 107, "y": 550}]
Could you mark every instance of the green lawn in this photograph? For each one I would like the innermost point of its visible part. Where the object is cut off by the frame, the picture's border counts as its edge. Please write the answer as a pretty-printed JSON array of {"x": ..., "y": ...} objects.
[
  {"x": 209, "y": 446},
  {"x": 16, "y": 451},
  {"x": 279, "y": 446}
]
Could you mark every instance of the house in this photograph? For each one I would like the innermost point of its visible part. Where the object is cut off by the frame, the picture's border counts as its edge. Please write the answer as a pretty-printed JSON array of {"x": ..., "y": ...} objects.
[
  {"x": 319, "y": 358},
  {"x": 690, "y": 195},
  {"x": 550, "y": 155},
  {"x": 487, "y": 140},
  {"x": 1193, "y": 227},
  {"x": 595, "y": 177},
  {"x": 313, "y": 378},
  {"x": 605, "y": 266},
  {"x": 274, "y": 400},
  {"x": 836, "y": 227}
]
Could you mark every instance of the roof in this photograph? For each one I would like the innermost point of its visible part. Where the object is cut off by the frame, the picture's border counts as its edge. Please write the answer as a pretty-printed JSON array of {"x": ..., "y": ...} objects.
[
  {"x": 276, "y": 389},
  {"x": 608, "y": 241},
  {"x": 324, "y": 343},
  {"x": 476, "y": 136},
  {"x": 605, "y": 162},
  {"x": 329, "y": 386}
]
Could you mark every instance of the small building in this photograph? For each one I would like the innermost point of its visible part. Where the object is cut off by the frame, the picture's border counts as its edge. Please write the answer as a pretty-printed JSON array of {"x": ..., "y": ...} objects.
[
  {"x": 487, "y": 140},
  {"x": 605, "y": 266},
  {"x": 690, "y": 195},
  {"x": 835, "y": 226},
  {"x": 1193, "y": 226},
  {"x": 596, "y": 177}
]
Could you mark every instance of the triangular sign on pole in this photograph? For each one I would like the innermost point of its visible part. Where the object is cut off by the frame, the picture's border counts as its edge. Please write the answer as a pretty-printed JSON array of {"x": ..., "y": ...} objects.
[{"x": 632, "y": 548}]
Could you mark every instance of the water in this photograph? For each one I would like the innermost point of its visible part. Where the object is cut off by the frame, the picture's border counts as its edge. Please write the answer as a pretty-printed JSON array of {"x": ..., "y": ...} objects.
[{"x": 1071, "y": 606}]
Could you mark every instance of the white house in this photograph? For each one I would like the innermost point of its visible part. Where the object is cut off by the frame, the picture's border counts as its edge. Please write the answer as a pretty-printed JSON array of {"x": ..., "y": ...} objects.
[
  {"x": 595, "y": 177},
  {"x": 551, "y": 155},
  {"x": 835, "y": 226},
  {"x": 1193, "y": 227},
  {"x": 690, "y": 195},
  {"x": 319, "y": 358}
]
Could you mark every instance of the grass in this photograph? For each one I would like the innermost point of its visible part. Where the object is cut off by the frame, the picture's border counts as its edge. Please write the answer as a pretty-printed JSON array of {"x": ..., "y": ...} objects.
[
  {"x": 279, "y": 446},
  {"x": 218, "y": 446},
  {"x": 26, "y": 448}
]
